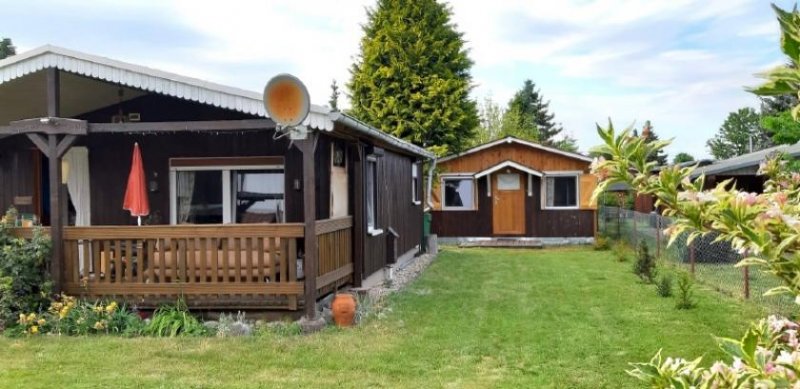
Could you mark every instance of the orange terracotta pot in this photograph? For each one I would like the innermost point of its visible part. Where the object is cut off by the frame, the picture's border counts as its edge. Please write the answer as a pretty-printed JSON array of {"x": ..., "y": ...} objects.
[{"x": 344, "y": 309}]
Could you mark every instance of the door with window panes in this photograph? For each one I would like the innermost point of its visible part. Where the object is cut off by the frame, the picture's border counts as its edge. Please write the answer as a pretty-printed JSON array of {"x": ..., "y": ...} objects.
[{"x": 508, "y": 211}]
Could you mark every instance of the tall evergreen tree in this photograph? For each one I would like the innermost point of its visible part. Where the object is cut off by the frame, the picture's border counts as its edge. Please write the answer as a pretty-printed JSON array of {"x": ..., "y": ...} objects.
[
  {"x": 736, "y": 134},
  {"x": 7, "y": 48},
  {"x": 411, "y": 77},
  {"x": 651, "y": 136},
  {"x": 534, "y": 119},
  {"x": 334, "y": 99}
]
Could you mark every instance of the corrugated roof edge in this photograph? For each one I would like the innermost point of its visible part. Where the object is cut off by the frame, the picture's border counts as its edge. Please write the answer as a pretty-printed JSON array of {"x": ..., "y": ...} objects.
[
  {"x": 511, "y": 139},
  {"x": 374, "y": 133},
  {"x": 746, "y": 160}
]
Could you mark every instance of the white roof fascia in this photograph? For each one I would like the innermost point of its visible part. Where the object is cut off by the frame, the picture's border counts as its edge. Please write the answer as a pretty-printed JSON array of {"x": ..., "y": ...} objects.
[
  {"x": 510, "y": 140},
  {"x": 511, "y": 164},
  {"x": 147, "y": 79}
]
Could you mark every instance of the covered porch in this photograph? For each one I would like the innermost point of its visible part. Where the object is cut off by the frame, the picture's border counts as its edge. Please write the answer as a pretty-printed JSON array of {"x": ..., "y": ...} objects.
[{"x": 278, "y": 244}]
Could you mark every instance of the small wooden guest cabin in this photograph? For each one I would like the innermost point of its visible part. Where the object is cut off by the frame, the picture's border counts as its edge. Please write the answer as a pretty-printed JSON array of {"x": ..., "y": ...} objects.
[
  {"x": 514, "y": 188},
  {"x": 241, "y": 216}
]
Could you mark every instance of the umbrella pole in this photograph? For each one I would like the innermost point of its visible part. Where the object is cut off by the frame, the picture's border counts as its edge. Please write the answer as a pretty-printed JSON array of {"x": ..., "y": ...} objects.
[{"x": 139, "y": 218}]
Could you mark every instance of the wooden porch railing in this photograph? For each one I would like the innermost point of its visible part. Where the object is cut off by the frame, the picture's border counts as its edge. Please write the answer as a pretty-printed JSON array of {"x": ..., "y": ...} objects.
[
  {"x": 335, "y": 248},
  {"x": 209, "y": 265}
]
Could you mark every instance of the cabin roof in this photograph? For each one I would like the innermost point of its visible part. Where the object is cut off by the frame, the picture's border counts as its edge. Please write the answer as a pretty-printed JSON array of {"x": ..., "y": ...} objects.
[
  {"x": 746, "y": 164},
  {"x": 179, "y": 86},
  {"x": 510, "y": 140}
]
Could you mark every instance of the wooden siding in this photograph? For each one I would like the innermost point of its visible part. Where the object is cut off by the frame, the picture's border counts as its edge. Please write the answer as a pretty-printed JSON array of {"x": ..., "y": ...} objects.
[
  {"x": 395, "y": 210},
  {"x": 533, "y": 158},
  {"x": 538, "y": 222}
]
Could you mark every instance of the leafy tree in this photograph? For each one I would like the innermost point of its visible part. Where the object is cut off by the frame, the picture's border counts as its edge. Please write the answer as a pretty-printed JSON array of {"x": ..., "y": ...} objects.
[
  {"x": 534, "y": 121},
  {"x": 7, "y": 48},
  {"x": 781, "y": 83},
  {"x": 682, "y": 157},
  {"x": 491, "y": 121},
  {"x": 738, "y": 130},
  {"x": 334, "y": 99},
  {"x": 411, "y": 77},
  {"x": 782, "y": 127}
]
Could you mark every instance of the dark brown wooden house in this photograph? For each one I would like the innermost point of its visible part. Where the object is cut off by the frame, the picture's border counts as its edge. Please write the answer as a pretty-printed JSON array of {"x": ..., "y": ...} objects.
[
  {"x": 514, "y": 188},
  {"x": 241, "y": 216}
]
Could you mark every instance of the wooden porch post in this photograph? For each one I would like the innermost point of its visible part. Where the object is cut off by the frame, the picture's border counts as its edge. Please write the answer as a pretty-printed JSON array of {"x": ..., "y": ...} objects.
[
  {"x": 54, "y": 168},
  {"x": 307, "y": 147}
]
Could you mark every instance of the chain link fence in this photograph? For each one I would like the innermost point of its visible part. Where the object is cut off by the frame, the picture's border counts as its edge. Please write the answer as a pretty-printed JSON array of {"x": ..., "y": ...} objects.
[{"x": 711, "y": 263}]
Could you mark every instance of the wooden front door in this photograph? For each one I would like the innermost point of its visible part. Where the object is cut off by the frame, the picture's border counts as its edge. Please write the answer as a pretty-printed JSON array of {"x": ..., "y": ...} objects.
[{"x": 508, "y": 197}]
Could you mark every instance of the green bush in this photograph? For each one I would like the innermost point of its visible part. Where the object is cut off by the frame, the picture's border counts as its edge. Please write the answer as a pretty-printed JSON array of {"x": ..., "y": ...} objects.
[
  {"x": 645, "y": 266},
  {"x": 664, "y": 286},
  {"x": 601, "y": 243},
  {"x": 25, "y": 284},
  {"x": 174, "y": 320},
  {"x": 278, "y": 328},
  {"x": 620, "y": 251},
  {"x": 685, "y": 292}
]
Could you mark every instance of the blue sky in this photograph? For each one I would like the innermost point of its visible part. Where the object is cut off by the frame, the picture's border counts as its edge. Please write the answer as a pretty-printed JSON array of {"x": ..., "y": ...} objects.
[{"x": 682, "y": 64}]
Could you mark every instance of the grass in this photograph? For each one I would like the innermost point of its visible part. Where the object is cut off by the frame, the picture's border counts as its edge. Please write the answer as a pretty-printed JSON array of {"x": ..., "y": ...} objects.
[{"x": 476, "y": 318}]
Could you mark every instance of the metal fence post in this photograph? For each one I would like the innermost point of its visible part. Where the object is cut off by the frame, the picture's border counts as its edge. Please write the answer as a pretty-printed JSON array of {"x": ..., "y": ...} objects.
[
  {"x": 746, "y": 272},
  {"x": 635, "y": 241},
  {"x": 658, "y": 236},
  {"x": 691, "y": 257}
]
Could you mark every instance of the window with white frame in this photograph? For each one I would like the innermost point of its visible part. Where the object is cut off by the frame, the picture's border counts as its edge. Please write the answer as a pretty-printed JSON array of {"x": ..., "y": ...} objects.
[
  {"x": 458, "y": 193},
  {"x": 372, "y": 195},
  {"x": 561, "y": 191},
  {"x": 415, "y": 183},
  {"x": 205, "y": 194}
]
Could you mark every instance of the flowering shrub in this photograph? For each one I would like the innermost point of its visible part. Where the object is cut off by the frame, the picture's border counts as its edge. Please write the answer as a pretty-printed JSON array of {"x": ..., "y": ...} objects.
[
  {"x": 764, "y": 227},
  {"x": 68, "y": 316},
  {"x": 24, "y": 281},
  {"x": 768, "y": 356}
]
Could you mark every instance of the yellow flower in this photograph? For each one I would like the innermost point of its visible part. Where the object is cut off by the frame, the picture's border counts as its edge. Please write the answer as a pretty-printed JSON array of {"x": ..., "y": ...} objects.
[
  {"x": 22, "y": 318},
  {"x": 98, "y": 308},
  {"x": 34, "y": 330},
  {"x": 31, "y": 317},
  {"x": 100, "y": 325},
  {"x": 41, "y": 322},
  {"x": 111, "y": 307}
]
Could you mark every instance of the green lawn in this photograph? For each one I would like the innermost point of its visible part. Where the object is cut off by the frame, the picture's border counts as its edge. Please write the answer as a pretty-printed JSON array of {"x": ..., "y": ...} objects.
[{"x": 477, "y": 318}]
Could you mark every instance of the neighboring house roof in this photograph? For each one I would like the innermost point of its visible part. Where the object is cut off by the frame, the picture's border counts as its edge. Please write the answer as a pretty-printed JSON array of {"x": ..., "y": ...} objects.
[
  {"x": 518, "y": 141},
  {"x": 511, "y": 164},
  {"x": 175, "y": 85},
  {"x": 746, "y": 164}
]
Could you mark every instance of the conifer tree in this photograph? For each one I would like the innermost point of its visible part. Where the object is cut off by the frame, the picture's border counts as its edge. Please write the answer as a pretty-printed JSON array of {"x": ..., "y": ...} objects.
[
  {"x": 334, "y": 99},
  {"x": 7, "y": 48},
  {"x": 411, "y": 77},
  {"x": 534, "y": 119}
]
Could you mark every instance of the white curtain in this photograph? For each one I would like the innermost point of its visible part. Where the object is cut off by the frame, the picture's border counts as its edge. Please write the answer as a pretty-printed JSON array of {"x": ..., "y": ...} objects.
[
  {"x": 77, "y": 161},
  {"x": 185, "y": 193},
  {"x": 550, "y": 187},
  {"x": 77, "y": 158}
]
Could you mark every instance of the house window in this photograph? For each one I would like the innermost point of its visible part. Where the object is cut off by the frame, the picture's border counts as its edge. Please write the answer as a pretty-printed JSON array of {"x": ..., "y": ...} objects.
[
  {"x": 415, "y": 183},
  {"x": 459, "y": 194},
  {"x": 561, "y": 191},
  {"x": 372, "y": 196},
  {"x": 211, "y": 194}
]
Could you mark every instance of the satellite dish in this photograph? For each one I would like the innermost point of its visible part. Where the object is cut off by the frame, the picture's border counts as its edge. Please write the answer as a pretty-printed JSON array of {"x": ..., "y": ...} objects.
[{"x": 286, "y": 100}]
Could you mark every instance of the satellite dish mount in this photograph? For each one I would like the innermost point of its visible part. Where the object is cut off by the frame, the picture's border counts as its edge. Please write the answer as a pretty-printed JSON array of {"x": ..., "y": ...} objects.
[{"x": 287, "y": 102}]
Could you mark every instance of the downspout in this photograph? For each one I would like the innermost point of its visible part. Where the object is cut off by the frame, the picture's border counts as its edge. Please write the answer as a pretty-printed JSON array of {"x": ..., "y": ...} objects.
[{"x": 429, "y": 189}]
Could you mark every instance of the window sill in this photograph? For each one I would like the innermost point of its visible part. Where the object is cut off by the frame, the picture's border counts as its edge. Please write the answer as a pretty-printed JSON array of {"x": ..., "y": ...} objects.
[
  {"x": 374, "y": 232},
  {"x": 561, "y": 208},
  {"x": 459, "y": 209}
]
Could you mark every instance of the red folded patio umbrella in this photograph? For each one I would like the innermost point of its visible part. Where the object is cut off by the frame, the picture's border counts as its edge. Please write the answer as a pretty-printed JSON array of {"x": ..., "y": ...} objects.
[{"x": 136, "y": 193}]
